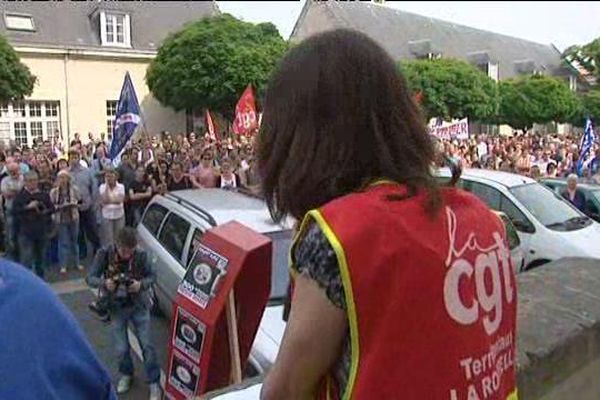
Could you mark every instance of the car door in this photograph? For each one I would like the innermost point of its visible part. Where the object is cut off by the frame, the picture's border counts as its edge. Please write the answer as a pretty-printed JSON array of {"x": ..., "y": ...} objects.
[
  {"x": 173, "y": 238},
  {"x": 148, "y": 230},
  {"x": 498, "y": 201}
]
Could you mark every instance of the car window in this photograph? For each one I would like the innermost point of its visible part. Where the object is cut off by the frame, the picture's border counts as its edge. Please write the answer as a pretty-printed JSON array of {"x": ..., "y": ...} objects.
[
  {"x": 511, "y": 233},
  {"x": 590, "y": 205},
  {"x": 280, "y": 264},
  {"x": 545, "y": 205},
  {"x": 515, "y": 215},
  {"x": 153, "y": 217},
  {"x": 196, "y": 240},
  {"x": 486, "y": 193},
  {"x": 173, "y": 235}
]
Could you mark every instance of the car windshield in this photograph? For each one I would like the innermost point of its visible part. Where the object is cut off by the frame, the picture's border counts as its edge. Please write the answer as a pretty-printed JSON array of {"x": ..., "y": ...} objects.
[{"x": 545, "y": 205}]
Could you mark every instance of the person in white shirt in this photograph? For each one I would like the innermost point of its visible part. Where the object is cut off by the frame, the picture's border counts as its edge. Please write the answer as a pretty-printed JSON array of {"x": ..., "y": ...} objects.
[{"x": 112, "y": 198}]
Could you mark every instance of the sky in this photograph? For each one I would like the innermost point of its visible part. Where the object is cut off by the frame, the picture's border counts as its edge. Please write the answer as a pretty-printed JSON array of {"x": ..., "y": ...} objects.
[{"x": 562, "y": 23}]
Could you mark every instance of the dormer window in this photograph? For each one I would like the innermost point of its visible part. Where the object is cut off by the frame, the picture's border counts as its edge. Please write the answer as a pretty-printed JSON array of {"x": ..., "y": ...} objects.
[
  {"x": 115, "y": 29},
  {"x": 19, "y": 22}
]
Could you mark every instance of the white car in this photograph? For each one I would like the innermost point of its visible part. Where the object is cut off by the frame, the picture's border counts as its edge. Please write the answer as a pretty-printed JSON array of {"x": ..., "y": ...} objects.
[
  {"x": 171, "y": 228},
  {"x": 548, "y": 226},
  {"x": 514, "y": 243}
]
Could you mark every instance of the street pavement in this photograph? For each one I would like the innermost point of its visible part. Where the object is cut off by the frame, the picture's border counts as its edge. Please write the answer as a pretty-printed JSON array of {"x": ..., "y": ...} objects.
[{"x": 73, "y": 291}]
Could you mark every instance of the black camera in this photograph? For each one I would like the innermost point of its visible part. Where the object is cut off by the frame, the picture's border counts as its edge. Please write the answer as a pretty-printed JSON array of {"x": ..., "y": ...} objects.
[
  {"x": 120, "y": 296},
  {"x": 122, "y": 281}
]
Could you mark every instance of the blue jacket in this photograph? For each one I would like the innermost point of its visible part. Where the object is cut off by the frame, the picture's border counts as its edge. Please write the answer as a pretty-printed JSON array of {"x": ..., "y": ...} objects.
[{"x": 44, "y": 353}]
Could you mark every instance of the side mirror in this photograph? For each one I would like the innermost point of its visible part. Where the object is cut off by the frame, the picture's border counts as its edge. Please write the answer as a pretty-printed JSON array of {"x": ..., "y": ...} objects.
[{"x": 523, "y": 226}]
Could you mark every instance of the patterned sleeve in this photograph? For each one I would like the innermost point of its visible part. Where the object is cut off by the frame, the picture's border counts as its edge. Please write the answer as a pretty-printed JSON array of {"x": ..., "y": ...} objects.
[{"x": 316, "y": 259}]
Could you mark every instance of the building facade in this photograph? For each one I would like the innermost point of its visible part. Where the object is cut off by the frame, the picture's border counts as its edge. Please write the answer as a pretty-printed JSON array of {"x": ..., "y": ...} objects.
[
  {"x": 410, "y": 36},
  {"x": 80, "y": 52}
]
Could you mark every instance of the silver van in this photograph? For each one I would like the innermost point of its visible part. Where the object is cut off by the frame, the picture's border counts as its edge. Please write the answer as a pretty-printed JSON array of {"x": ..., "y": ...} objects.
[{"x": 172, "y": 224}]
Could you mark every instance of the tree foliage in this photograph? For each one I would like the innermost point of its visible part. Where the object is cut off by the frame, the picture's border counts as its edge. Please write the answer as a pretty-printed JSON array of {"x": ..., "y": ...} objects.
[
  {"x": 209, "y": 63},
  {"x": 526, "y": 100},
  {"x": 452, "y": 89},
  {"x": 16, "y": 81},
  {"x": 590, "y": 103}
]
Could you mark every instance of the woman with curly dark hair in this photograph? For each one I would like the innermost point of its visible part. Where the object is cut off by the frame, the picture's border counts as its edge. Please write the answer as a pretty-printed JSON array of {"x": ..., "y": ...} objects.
[{"x": 398, "y": 284}]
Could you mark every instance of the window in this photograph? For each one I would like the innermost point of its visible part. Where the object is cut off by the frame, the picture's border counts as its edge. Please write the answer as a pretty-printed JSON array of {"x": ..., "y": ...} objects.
[
  {"x": 196, "y": 240},
  {"x": 511, "y": 233},
  {"x": 173, "y": 235},
  {"x": 115, "y": 29},
  {"x": 5, "y": 132},
  {"x": 37, "y": 131},
  {"x": 27, "y": 120},
  {"x": 487, "y": 194},
  {"x": 51, "y": 108},
  {"x": 111, "y": 108},
  {"x": 52, "y": 130},
  {"x": 111, "y": 111},
  {"x": 35, "y": 109},
  {"x": 21, "y": 133},
  {"x": 519, "y": 220},
  {"x": 19, "y": 22},
  {"x": 153, "y": 218},
  {"x": 545, "y": 205},
  {"x": 19, "y": 110}
]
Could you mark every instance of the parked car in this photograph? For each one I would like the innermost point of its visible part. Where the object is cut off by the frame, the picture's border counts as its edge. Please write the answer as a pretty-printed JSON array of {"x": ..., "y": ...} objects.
[
  {"x": 548, "y": 226},
  {"x": 591, "y": 191},
  {"x": 514, "y": 243},
  {"x": 172, "y": 223}
]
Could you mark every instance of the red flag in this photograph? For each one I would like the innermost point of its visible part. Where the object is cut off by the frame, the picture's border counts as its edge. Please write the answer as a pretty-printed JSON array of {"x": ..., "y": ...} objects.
[
  {"x": 211, "y": 127},
  {"x": 245, "y": 113}
]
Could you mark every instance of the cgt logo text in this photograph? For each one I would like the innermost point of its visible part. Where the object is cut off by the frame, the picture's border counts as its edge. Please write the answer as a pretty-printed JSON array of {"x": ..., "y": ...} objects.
[{"x": 492, "y": 264}]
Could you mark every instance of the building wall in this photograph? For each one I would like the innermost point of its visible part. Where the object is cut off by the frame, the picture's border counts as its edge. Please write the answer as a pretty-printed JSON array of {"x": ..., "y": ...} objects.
[{"x": 88, "y": 82}]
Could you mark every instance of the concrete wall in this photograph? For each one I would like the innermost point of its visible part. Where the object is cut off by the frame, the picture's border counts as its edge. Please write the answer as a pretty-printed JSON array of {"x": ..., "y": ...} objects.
[
  {"x": 558, "y": 333},
  {"x": 89, "y": 82}
]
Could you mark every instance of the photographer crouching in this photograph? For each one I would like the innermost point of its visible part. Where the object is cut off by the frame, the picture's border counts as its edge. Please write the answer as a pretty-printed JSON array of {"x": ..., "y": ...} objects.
[{"x": 123, "y": 277}]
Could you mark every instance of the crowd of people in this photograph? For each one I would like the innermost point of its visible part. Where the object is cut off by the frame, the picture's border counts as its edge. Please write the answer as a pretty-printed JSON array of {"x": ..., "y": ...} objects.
[
  {"x": 533, "y": 155},
  {"x": 61, "y": 202}
]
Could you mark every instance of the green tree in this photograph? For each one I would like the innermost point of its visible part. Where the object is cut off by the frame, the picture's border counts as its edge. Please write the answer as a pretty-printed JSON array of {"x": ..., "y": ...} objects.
[
  {"x": 210, "y": 62},
  {"x": 588, "y": 56},
  {"x": 590, "y": 103},
  {"x": 16, "y": 81},
  {"x": 452, "y": 89},
  {"x": 526, "y": 100}
]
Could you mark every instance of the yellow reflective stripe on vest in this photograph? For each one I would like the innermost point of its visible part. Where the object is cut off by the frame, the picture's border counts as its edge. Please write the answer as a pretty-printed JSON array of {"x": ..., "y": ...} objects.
[
  {"x": 350, "y": 305},
  {"x": 297, "y": 235}
]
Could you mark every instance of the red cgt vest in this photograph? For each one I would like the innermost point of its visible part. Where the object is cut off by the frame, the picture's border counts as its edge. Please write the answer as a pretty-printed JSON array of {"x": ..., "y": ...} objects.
[{"x": 431, "y": 302}]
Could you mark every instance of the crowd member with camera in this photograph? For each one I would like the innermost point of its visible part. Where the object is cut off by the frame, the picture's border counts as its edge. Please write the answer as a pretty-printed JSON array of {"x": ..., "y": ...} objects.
[
  {"x": 33, "y": 209},
  {"x": 123, "y": 276}
]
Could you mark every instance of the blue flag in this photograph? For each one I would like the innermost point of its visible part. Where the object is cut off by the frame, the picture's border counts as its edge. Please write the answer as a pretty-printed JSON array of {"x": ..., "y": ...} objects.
[
  {"x": 127, "y": 118},
  {"x": 585, "y": 146}
]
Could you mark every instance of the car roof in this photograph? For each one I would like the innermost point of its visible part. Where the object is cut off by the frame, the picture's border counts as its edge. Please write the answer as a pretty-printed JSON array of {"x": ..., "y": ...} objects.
[
  {"x": 504, "y": 178},
  {"x": 225, "y": 206},
  {"x": 581, "y": 185}
]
